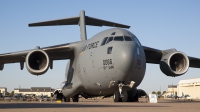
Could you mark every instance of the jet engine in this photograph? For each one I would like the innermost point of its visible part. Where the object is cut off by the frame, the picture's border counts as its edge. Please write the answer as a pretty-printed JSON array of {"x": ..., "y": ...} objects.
[
  {"x": 37, "y": 62},
  {"x": 174, "y": 64}
]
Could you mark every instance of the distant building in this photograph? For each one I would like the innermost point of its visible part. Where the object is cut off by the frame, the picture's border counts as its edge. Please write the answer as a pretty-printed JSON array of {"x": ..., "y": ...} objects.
[
  {"x": 189, "y": 87},
  {"x": 3, "y": 91},
  {"x": 172, "y": 90},
  {"x": 45, "y": 91}
]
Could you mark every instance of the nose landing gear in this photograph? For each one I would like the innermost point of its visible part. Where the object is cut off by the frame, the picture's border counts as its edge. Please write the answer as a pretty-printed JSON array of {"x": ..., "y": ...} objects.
[{"x": 122, "y": 96}]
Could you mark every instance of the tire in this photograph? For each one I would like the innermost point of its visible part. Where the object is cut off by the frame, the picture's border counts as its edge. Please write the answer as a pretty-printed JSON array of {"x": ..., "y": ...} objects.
[
  {"x": 66, "y": 99},
  {"x": 136, "y": 98},
  {"x": 130, "y": 97},
  {"x": 116, "y": 96},
  {"x": 76, "y": 98},
  {"x": 59, "y": 96},
  {"x": 125, "y": 96},
  {"x": 132, "y": 94}
]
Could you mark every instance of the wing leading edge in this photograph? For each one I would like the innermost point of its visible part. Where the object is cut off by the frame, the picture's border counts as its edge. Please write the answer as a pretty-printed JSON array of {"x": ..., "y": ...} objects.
[
  {"x": 154, "y": 56},
  {"x": 57, "y": 52}
]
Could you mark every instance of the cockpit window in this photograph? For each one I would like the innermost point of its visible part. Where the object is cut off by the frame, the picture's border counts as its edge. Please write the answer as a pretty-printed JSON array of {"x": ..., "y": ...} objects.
[
  {"x": 127, "y": 38},
  {"x": 104, "y": 41},
  {"x": 137, "y": 41},
  {"x": 119, "y": 38},
  {"x": 110, "y": 39}
]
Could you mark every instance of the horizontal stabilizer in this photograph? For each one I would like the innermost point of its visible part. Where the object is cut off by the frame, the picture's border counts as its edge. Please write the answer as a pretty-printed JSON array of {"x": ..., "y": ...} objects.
[
  {"x": 65, "y": 21},
  {"x": 75, "y": 20}
]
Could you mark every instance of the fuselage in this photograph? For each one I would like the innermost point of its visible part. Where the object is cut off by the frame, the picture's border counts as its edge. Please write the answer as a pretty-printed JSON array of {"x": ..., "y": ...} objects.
[{"x": 111, "y": 55}]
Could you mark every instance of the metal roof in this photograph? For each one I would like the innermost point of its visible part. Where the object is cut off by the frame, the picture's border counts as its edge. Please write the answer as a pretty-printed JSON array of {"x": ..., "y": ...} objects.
[
  {"x": 172, "y": 86},
  {"x": 2, "y": 87},
  {"x": 186, "y": 81},
  {"x": 35, "y": 89}
]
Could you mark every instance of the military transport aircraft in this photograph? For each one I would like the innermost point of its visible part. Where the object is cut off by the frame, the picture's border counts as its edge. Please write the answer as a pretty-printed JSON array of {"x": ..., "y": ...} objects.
[{"x": 113, "y": 62}]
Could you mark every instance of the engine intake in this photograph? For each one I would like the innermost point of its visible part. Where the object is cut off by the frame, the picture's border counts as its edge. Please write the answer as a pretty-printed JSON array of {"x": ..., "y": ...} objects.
[
  {"x": 174, "y": 64},
  {"x": 37, "y": 62}
]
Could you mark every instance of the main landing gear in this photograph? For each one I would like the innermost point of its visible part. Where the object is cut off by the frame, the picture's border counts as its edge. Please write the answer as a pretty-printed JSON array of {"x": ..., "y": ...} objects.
[
  {"x": 74, "y": 99},
  {"x": 62, "y": 98},
  {"x": 66, "y": 99}
]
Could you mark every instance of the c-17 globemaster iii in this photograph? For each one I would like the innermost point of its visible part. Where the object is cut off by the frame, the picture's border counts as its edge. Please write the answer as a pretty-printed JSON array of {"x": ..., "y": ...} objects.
[{"x": 112, "y": 62}]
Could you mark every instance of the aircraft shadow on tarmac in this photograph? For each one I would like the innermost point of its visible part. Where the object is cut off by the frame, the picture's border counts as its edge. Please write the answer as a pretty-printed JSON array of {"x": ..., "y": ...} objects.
[{"x": 65, "y": 105}]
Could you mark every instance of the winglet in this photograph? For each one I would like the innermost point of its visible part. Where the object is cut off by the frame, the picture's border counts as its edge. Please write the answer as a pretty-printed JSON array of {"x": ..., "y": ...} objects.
[{"x": 82, "y": 20}]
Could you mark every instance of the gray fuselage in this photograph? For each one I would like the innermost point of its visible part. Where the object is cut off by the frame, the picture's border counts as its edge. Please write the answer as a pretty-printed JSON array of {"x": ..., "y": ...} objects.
[{"x": 97, "y": 63}]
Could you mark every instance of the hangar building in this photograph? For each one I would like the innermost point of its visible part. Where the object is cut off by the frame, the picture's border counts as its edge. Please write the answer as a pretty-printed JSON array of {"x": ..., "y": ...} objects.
[
  {"x": 190, "y": 87},
  {"x": 3, "y": 91},
  {"x": 45, "y": 91}
]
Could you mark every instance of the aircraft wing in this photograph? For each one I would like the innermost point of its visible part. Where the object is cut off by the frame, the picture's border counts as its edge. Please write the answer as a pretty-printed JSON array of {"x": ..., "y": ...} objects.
[
  {"x": 154, "y": 56},
  {"x": 57, "y": 52}
]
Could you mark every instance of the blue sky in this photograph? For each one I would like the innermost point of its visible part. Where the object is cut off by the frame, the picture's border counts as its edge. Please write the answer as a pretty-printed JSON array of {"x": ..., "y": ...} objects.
[{"x": 157, "y": 24}]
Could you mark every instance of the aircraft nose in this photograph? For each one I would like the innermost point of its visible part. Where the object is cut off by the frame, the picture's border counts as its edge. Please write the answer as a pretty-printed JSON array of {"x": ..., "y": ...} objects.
[{"x": 124, "y": 56}]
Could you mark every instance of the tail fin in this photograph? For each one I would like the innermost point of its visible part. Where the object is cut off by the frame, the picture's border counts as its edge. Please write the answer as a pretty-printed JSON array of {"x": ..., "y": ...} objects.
[{"x": 82, "y": 20}]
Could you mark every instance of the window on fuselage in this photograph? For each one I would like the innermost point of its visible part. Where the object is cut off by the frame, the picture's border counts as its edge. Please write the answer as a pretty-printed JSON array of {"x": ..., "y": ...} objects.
[
  {"x": 113, "y": 33},
  {"x": 119, "y": 38},
  {"x": 109, "y": 50},
  {"x": 127, "y": 38},
  {"x": 104, "y": 41},
  {"x": 109, "y": 39}
]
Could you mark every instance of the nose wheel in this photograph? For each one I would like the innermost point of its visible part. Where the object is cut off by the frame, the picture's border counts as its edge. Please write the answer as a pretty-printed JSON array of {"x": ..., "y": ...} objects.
[
  {"x": 123, "y": 97},
  {"x": 120, "y": 96},
  {"x": 116, "y": 97}
]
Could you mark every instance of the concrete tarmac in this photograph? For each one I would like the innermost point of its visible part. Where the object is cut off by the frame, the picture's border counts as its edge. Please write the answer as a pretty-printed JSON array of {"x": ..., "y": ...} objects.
[{"x": 105, "y": 105}]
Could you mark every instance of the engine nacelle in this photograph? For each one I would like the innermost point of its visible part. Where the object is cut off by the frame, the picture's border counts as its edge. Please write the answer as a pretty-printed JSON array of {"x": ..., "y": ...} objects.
[
  {"x": 37, "y": 62},
  {"x": 174, "y": 64}
]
